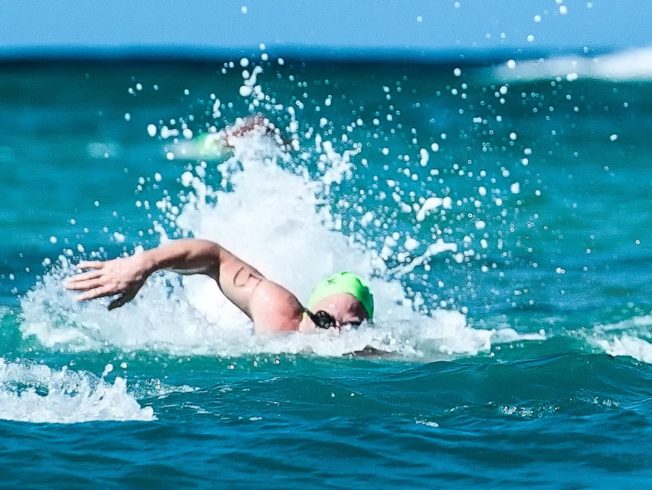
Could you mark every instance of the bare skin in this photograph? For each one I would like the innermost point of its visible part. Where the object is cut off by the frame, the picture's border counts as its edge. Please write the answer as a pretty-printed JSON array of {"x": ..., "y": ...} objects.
[
  {"x": 271, "y": 307},
  {"x": 216, "y": 142}
]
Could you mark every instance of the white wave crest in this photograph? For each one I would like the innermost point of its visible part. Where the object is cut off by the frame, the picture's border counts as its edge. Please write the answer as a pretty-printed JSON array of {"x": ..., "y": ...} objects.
[
  {"x": 627, "y": 345},
  {"x": 36, "y": 393},
  {"x": 629, "y": 65},
  {"x": 630, "y": 338}
]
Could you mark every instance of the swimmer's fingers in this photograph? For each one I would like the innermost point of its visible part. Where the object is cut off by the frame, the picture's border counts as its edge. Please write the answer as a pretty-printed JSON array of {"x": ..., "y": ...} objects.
[
  {"x": 97, "y": 292},
  {"x": 73, "y": 281},
  {"x": 121, "y": 300},
  {"x": 86, "y": 285},
  {"x": 90, "y": 264}
]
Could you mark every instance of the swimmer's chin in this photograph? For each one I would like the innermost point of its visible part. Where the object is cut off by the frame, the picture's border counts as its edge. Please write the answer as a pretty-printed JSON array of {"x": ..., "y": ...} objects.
[
  {"x": 366, "y": 352},
  {"x": 369, "y": 351}
]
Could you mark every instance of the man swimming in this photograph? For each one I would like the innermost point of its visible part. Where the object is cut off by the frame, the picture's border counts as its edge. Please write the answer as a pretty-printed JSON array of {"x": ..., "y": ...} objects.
[{"x": 340, "y": 300}]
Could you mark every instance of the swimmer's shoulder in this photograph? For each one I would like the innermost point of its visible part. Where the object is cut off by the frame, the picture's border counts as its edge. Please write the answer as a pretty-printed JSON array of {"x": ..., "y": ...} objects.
[{"x": 274, "y": 309}]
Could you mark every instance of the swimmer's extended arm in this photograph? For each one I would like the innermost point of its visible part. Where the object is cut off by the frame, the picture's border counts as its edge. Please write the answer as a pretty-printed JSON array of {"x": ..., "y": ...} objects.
[{"x": 270, "y": 306}]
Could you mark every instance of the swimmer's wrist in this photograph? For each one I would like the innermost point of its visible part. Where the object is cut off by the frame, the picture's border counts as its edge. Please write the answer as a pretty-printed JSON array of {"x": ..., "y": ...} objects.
[{"x": 148, "y": 263}]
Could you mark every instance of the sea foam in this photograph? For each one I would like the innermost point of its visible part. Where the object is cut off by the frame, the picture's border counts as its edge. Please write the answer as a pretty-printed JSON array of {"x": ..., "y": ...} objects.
[{"x": 32, "y": 392}]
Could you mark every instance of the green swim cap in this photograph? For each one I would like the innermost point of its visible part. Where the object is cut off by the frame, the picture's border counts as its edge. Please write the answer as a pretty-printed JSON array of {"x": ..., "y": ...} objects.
[{"x": 344, "y": 282}]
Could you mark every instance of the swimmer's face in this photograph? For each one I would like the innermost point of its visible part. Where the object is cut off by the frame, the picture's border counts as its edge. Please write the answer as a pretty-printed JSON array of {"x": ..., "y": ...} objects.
[{"x": 344, "y": 308}]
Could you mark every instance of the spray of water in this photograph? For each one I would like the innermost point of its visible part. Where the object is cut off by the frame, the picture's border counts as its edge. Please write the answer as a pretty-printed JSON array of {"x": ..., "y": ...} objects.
[
  {"x": 274, "y": 219},
  {"x": 273, "y": 198}
]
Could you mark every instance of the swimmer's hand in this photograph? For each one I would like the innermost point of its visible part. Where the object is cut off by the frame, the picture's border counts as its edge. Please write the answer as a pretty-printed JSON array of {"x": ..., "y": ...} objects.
[{"x": 122, "y": 276}]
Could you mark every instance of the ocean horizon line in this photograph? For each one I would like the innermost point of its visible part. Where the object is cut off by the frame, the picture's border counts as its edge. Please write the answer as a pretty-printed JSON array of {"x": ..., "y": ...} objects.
[{"x": 201, "y": 54}]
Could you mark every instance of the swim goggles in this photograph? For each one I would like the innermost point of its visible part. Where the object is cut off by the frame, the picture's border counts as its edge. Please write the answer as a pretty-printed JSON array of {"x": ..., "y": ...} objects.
[{"x": 325, "y": 320}]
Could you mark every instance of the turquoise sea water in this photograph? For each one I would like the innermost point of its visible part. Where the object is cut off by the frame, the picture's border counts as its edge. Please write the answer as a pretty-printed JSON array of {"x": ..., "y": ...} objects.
[{"x": 500, "y": 212}]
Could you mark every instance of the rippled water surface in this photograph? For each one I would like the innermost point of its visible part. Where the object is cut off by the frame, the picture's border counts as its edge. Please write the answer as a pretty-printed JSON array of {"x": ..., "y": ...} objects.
[{"x": 500, "y": 213}]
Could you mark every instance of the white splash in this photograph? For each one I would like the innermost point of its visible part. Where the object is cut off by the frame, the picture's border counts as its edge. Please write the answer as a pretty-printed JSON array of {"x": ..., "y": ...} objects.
[
  {"x": 280, "y": 221},
  {"x": 36, "y": 393}
]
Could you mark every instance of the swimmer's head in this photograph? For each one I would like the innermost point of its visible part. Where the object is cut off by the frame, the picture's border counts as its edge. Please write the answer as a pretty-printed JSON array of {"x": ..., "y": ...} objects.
[{"x": 344, "y": 298}]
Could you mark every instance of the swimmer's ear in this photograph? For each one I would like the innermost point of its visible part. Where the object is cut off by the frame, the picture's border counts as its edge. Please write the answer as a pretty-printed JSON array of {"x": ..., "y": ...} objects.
[{"x": 121, "y": 300}]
